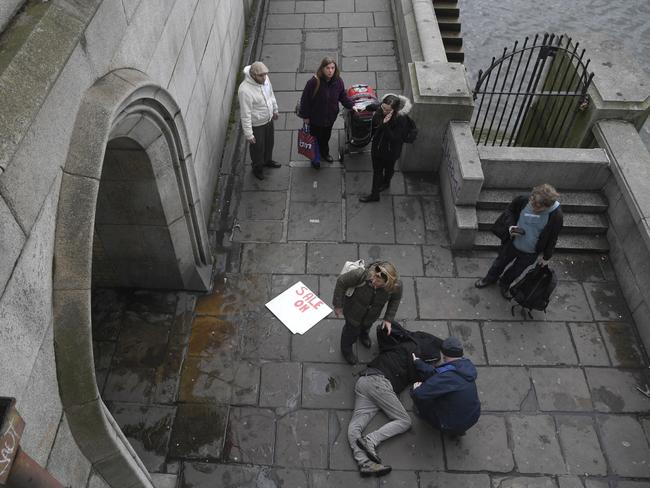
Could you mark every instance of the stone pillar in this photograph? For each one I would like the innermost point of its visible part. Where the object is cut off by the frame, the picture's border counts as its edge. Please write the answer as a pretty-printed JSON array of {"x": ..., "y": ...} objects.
[
  {"x": 441, "y": 94},
  {"x": 619, "y": 90}
]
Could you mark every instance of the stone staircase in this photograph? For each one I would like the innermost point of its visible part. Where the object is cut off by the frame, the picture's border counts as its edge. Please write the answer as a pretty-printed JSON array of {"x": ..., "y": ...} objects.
[
  {"x": 585, "y": 219},
  {"x": 448, "y": 16}
]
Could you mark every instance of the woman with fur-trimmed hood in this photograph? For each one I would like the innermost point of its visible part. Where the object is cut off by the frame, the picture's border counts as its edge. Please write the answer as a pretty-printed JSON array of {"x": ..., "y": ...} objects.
[{"x": 389, "y": 128}]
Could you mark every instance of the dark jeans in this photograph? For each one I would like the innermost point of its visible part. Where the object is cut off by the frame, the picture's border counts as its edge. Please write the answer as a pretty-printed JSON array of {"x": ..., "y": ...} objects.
[
  {"x": 382, "y": 172},
  {"x": 322, "y": 135},
  {"x": 509, "y": 254},
  {"x": 262, "y": 150},
  {"x": 350, "y": 334}
]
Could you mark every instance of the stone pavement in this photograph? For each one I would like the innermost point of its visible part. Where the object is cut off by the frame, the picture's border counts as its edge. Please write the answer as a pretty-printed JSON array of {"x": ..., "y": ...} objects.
[{"x": 215, "y": 392}]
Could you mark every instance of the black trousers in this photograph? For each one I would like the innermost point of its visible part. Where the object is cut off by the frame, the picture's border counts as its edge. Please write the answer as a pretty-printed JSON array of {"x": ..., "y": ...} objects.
[
  {"x": 350, "y": 334},
  {"x": 382, "y": 172},
  {"x": 509, "y": 254},
  {"x": 322, "y": 135},
  {"x": 262, "y": 150}
]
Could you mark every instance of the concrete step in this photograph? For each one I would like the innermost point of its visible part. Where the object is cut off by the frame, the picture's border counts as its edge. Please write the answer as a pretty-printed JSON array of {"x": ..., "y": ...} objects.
[
  {"x": 449, "y": 23},
  {"x": 452, "y": 38},
  {"x": 455, "y": 54},
  {"x": 574, "y": 223},
  {"x": 446, "y": 8},
  {"x": 572, "y": 201},
  {"x": 567, "y": 242}
]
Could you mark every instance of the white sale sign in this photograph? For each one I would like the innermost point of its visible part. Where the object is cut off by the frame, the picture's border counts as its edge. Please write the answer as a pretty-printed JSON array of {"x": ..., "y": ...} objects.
[{"x": 299, "y": 308}]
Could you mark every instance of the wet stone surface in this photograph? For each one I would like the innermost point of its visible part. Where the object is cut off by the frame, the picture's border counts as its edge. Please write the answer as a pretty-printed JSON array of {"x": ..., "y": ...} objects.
[
  {"x": 536, "y": 447},
  {"x": 198, "y": 432}
]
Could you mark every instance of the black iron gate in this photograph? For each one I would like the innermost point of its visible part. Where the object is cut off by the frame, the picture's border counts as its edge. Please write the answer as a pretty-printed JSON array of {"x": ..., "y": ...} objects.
[{"x": 531, "y": 95}]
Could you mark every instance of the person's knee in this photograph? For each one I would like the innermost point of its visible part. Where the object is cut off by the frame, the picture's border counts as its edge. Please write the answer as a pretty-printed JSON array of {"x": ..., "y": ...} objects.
[{"x": 405, "y": 422}]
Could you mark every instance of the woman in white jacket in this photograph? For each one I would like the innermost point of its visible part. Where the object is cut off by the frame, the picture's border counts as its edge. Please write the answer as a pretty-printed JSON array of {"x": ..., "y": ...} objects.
[{"x": 258, "y": 109}]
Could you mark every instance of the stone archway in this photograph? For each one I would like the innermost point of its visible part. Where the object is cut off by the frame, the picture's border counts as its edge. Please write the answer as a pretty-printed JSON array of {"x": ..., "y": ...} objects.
[{"x": 134, "y": 130}]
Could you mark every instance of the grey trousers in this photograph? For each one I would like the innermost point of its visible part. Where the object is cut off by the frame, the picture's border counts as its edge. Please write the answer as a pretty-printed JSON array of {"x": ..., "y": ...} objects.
[
  {"x": 262, "y": 150},
  {"x": 374, "y": 393}
]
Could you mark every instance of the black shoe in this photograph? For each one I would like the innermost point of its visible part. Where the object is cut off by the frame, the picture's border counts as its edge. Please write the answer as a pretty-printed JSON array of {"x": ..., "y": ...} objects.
[
  {"x": 482, "y": 283},
  {"x": 272, "y": 164},
  {"x": 505, "y": 291},
  {"x": 315, "y": 164},
  {"x": 369, "y": 198},
  {"x": 350, "y": 357},
  {"x": 328, "y": 158},
  {"x": 258, "y": 174},
  {"x": 368, "y": 449},
  {"x": 373, "y": 469},
  {"x": 383, "y": 186},
  {"x": 365, "y": 341}
]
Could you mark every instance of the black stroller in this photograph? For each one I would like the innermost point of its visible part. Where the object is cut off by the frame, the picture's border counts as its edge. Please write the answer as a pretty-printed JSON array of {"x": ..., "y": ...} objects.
[{"x": 358, "y": 126}]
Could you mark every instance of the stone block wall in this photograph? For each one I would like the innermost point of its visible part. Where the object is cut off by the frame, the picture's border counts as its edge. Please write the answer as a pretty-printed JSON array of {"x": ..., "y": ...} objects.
[
  {"x": 628, "y": 192},
  {"x": 192, "y": 48}
]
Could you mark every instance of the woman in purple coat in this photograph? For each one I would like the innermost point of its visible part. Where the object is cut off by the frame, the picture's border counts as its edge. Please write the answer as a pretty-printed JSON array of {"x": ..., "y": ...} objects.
[{"x": 319, "y": 104}]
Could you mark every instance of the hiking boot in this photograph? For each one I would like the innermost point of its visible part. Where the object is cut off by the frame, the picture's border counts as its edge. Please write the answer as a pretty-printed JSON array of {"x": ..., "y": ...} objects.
[
  {"x": 482, "y": 283},
  {"x": 373, "y": 469},
  {"x": 350, "y": 357},
  {"x": 505, "y": 291},
  {"x": 365, "y": 341},
  {"x": 369, "y": 449}
]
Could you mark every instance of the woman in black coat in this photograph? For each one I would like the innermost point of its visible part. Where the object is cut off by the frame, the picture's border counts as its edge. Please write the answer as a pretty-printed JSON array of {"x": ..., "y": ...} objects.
[{"x": 389, "y": 128}]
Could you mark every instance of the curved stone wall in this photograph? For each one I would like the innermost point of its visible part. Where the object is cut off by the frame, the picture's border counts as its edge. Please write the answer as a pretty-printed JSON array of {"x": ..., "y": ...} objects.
[{"x": 189, "y": 48}]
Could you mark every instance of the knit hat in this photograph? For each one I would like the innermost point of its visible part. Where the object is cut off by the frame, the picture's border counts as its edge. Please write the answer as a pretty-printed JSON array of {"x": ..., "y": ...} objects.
[
  {"x": 258, "y": 68},
  {"x": 452, "y": 347}
]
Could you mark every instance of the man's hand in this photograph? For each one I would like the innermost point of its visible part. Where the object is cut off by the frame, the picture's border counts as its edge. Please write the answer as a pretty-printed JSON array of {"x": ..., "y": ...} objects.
[
  {"x": 251, "y": 140},
  {"x": 417, "y": 384},
  {"x": 338, "y": 312},
  {"x": 542, "y": 261},
  {"x": 387, "y": 325},
  {"x": 415, "y": 358},
  {"x": 275, "y": 115}
]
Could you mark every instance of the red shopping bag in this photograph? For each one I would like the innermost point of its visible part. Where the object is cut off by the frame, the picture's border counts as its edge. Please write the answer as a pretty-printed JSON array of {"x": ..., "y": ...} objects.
[{"x": 307, "y": 144}]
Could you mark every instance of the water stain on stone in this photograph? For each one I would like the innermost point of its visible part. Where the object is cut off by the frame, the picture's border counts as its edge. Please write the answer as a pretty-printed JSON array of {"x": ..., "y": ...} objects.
[
  {"x": 621, "y": 338},
  {"x": 210, "y": 334},
  {"x": 544, "y": 439},
  {"x": 614, "y": 402}
]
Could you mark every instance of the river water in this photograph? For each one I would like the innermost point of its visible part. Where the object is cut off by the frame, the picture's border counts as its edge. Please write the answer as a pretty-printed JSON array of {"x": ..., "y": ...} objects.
[{"x": 490, "y": 25}]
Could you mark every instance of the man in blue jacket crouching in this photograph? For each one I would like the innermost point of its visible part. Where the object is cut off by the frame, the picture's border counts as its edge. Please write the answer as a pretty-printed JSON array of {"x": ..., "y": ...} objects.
[{"x": 448, "y": 398}]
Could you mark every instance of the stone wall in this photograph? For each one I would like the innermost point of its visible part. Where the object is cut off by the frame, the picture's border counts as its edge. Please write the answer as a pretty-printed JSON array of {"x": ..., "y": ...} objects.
[
  {"x": 7, "y": 10},
  {"x": 628, "y": 192},
  {"x": 192, "y": 49}
]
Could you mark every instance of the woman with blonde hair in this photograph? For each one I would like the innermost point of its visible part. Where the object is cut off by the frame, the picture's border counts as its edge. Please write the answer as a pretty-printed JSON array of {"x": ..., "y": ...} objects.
[
  {"x": 319, "y": 104},
  {"x": 374, "y": 286}
]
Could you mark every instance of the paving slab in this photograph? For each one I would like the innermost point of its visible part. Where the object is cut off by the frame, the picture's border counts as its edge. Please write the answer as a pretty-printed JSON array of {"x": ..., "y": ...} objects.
[
  {"x": 569, "y": 482},
  {"x": 198, "y": 432},
  {"x": 567, "y": 303},
  {"x": 419, "y": 448},
  {"x": 321, "y": 21},
  {"x": 276, "y": 179},
  {"x": 589, "y": 345},
  {"x": 339, "y": 6},
  {"x": 206, "y": 380},
  {"x": 577, "y": 267},
  {"x": 281, "y": 58},
  {"x": 148, "y": 429},
  {"x": 316, "y": 186},
  {"x": 354, "y": 64},
  {"x": 282, "y": 36},
  {"x": 309, "y": 6},
  {"x": 523, "y": 482},
  {"x": 622, "y": 344},
  {"x": 367, "y": 222},
  {"x": 250, "y": 437},
  {"x": 282, "y": 7},
  {"x": 561, "y": 389},
  {"x": 327, "y": 479},
  {"x": 532, "y": 343},
  {"x": 329, "y": 258},
  {"x": 321, "y": 39},
  {"x": 536, "y": 447},
  {"x": 280, "y": 385},
  {"x": 613, "y": 390},
  {"x": 503, "y": 388},
  {"x": 286, "y": 21},
  {"x": 211, "y": 336},
  {"x": 483, "y": 448},
  {"x": 389, "y": 80},
  {"x": 246, "y": 383},
  {"x": 259, "y": 231},
  {"x": 580, "y": 445},
  {"x": 369, "y": 48},
  {"x": 327, "y": 385},
  {"x": 263, "y": 337},
  {"x": 625, "y": 445},
  {"x": 438, "y": 261},
  {"x": 406, "y": 259},
  {"x": 235, "y": 294},
  {"x": 442, "y": 479},
  {"x": 319, "y": 344},
  {"x": 469, "y": 334},
  {"x": 302, "y": 439},
  {"x": 270, "y": 258},
  {"x": 409, "y": 221},
  {"x": 314, "y": 221},
  {"x": 340, "y": 454},
  {"x": 607, "y": 301},
  {"x": 133, "y": 385},
  {"x": 280, "y": 283},
  {"x": 141, "y": 344}
]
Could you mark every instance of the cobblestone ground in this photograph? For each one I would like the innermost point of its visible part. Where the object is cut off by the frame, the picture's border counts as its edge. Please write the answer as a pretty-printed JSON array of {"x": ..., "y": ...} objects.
[{"x": 216, "y": 392}]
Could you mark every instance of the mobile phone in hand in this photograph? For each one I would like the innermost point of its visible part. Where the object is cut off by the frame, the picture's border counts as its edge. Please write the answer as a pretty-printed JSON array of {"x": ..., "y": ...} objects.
[{"x": 518, "y": 230}]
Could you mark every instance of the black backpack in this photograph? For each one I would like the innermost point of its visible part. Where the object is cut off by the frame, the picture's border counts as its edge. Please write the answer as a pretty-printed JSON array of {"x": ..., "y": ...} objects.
[
  {"x": 534, "y": 290},
  {"x": 411, "y": 131},
  {"x": 427, "y": 346}
]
